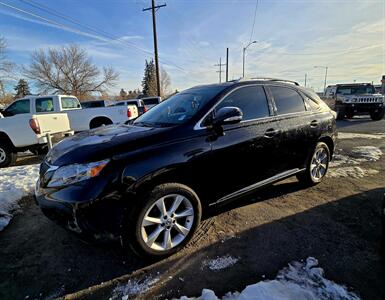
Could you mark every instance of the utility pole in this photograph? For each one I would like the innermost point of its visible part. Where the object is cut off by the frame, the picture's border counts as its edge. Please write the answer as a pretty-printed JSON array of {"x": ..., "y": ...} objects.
[
  {"x": 227, "y": 64},
  {"x": 305, "y": 78},
  {"x": 153, "y": 9},
  {"x": 220, "y": 65}
]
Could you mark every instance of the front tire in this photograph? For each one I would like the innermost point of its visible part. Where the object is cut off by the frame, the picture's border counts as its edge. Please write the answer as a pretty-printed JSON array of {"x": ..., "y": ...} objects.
[
  {"x": 340, "y": 114},
  {"x": 376, "y": 116},
  {"x": 164, "y": 221},
  {"x": 317, "y": 166},
  {"x": 7, "y": 155}
]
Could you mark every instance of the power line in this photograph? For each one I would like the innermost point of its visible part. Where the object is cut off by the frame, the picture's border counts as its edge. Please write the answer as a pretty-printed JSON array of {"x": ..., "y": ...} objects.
[
  {"x": 97, "y": 36},
  {"x": 76, "y": 22}
]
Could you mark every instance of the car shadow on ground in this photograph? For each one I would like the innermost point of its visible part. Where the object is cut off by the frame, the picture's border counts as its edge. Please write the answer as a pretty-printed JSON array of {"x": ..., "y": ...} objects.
[
  {"x": 344, "y": 235},
  {"x": 40, "y": 259}
]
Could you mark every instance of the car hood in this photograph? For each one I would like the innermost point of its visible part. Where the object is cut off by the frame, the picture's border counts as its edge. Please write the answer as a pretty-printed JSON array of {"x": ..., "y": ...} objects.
[{"x": 100, "y": 143}]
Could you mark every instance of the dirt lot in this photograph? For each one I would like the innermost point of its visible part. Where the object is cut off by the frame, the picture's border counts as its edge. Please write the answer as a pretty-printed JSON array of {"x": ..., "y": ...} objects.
[{"x": 338, "y": 222}]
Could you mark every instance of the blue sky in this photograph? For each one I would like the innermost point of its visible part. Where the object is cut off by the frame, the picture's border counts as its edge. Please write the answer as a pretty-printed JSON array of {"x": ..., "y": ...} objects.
[{"x": 293, "y": 37}]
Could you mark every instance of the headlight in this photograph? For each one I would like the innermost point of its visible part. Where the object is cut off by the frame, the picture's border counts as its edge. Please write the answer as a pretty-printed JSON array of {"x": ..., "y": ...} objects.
[{"x": 75, "y": 173}]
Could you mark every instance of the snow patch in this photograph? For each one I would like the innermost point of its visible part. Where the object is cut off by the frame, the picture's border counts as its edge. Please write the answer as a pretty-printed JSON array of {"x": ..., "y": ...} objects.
[
  {"x": 220, "y": 263},
  {"x": 350, "y": 164},
  {"x": 355, "y": 172},
  {"x": 15, "y": 183},
  {"x": 133, "y": 287},
  {"x": 349, "y": 135},
  {"x": 370, "y": 153},
  {"x": 300, "y": 280}
]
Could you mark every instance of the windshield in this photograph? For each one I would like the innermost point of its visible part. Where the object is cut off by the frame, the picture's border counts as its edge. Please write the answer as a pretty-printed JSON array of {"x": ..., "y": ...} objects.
[
  {"x": 355, "y": 90},
  {"x": 179, "y": 108},
  {"x": 151, "y": 101}
]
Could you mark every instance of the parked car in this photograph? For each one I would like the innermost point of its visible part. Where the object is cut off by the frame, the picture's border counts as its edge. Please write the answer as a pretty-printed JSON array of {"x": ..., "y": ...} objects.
[
  {"x": 358, "y": 98},
  {"x": 80, "y": 119},
  {"x": 96, "y": 103},
  {"x": 138, "y": 102},
  {"x": 150, "y": 102},
  {"x": 28, "y": 132},
  {"x": 147, "y": 183}
]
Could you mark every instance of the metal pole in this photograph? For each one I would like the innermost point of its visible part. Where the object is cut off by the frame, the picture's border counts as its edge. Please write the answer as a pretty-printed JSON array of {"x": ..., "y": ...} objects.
[
  {"x": 243, "y": 64},
  {"x": 49, "y": 141},
  {"x": 305, "y": 79},
  {"x": 227, "y": 64},
  {"x": 326, "y": 75},
  {"x": 155, "y": 47}
]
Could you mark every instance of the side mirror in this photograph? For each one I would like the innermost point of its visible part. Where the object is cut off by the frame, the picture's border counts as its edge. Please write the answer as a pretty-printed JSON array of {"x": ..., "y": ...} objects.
[{"x": 227, "y": 115}]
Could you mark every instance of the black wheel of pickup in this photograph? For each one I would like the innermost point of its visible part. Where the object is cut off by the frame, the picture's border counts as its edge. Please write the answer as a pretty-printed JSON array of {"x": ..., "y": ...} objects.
[
  {"x": 377, "y": 115},
  {"x": 7, "y": 155}
]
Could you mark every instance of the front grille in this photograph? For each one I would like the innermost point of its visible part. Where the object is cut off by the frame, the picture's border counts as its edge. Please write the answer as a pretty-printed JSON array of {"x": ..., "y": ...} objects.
[{"x": 366, "y": 100}]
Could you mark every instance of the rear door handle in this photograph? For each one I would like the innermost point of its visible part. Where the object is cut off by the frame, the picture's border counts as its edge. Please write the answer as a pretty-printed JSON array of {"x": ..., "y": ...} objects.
[
  {"x": 271, "y": 132},
  {"x": 314, "y": 123}
]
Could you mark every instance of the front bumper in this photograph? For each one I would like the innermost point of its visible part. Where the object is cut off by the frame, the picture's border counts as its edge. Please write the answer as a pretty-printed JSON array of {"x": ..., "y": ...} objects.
[
  {"x": 93, "y": 219},
  {"x": 360, "y": 107}
]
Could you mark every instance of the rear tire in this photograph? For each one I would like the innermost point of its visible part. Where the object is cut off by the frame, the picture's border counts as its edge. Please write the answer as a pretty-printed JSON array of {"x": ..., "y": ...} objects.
[
  {"x": 317, "y": 166},
  {"x": 152, "y": 233},
  {"x": 7, "y": 155},
  {"x": 376, "y": 116}
]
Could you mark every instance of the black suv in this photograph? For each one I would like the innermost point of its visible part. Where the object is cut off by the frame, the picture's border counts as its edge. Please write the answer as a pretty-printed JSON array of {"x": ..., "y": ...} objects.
[{"x": 147, "y": 183}]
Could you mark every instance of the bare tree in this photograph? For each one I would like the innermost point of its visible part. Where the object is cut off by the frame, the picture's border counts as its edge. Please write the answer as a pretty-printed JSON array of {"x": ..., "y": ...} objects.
[
  {"x": 6, "y": 66},
  {"x": 165, "y": 82},
  {"x": 69, "y": 70}
]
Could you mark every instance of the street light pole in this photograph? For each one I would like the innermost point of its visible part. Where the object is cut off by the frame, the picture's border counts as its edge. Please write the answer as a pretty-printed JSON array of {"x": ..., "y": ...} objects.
[
  {"x": 243, "y": 57},
  {"x": 326, "y": 75}
]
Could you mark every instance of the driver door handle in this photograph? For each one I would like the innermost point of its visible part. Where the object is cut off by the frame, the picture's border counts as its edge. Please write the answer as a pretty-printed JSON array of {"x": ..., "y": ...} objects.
[
  {"x": 314, "y": 123},
  {"x": 271, "y": 132}
]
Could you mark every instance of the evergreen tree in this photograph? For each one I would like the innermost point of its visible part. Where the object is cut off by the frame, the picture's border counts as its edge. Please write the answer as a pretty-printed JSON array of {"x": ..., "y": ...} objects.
[
  {"x": 22, "y": 89},
  {"x": 123, "y": 94},
  {"x": 149, "y": 79}
]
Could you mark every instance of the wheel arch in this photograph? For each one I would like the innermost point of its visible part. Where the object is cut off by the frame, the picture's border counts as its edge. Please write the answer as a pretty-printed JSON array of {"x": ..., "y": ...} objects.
[
  {"x": 4, "y": 137},
  {"x": 99, "y": 120},
  {"x": 173, "y": 175},
  {"x": 329, "y": 142}
]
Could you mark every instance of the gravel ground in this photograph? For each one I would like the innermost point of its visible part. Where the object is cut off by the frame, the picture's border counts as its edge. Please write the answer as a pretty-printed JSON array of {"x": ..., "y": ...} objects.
[{"x": 338, "y": 222}]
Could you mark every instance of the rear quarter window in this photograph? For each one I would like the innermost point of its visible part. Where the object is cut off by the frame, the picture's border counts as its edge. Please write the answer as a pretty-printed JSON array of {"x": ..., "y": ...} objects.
[
  {"x": 287, "y": 100},
  {"x": 69, "y": 103}
]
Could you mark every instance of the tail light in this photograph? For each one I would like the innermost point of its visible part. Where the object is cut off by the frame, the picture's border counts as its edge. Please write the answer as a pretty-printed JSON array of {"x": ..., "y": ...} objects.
[
  {"x": 145, "y": 108},
  {"x": 129, "y": 113},
  {"x": 34, "y": 124}
]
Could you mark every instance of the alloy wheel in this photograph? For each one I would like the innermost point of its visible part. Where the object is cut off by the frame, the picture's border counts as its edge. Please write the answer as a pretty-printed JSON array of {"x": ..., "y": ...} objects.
[
  {"x": 319, "y": 164},
  {"x": 3, "y": 155},
  {"x": 167, "y": 222}
]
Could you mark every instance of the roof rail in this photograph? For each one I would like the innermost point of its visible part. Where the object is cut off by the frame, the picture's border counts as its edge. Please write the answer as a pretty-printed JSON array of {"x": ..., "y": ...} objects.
[{"x": 270, "y": 79}]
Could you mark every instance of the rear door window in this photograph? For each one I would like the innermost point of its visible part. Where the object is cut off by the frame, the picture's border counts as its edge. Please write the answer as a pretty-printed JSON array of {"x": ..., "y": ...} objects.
[
  {"x": 251, "y": 100},
  {"x": 287, "y": 100},
  {"x": 44, "y": 105}
]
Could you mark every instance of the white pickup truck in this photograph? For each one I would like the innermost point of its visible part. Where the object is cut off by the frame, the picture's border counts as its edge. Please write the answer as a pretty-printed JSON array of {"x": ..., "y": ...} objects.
[
  {"x": 15, "y": 131},
  {"x": 80, "y": 119},
  {"x": 23, "y": 132}
]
